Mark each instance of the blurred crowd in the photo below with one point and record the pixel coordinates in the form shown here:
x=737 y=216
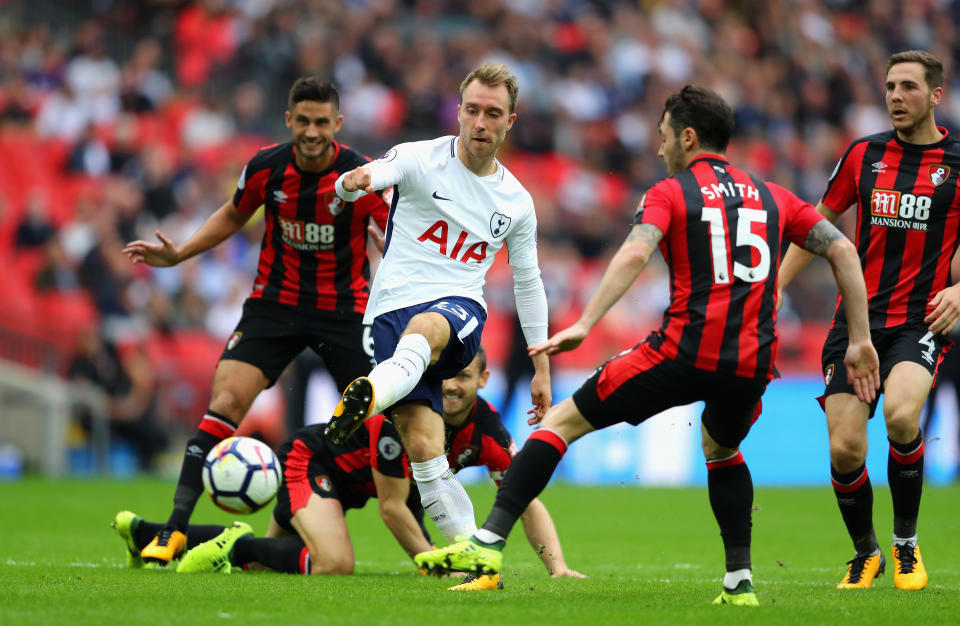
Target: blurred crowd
x=120 y=118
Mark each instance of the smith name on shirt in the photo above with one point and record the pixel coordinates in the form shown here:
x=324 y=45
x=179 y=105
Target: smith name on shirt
x=730 y=190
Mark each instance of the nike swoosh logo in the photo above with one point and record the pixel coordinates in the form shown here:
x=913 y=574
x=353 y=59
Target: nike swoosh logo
x=439 y=197
x=427 y=506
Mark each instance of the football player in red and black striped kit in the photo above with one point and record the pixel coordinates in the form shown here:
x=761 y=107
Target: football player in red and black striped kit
x=904 y=185
x=311 y=286
x=719 y=229
x=321 y=480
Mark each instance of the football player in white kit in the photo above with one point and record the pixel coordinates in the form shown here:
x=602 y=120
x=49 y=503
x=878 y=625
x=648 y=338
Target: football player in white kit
x=454 y=207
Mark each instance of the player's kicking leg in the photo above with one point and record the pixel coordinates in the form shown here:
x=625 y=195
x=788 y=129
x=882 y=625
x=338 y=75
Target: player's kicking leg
x=236 y=384
x=356 y=405
x=392 y=379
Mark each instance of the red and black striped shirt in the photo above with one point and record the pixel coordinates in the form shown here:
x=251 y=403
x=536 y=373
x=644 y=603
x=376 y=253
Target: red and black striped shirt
x=722 y=232
x=908 y=221
x=481 y=440
x=313 y=254
x=376 y=444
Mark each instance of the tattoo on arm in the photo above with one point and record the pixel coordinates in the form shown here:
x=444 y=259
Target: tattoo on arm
x=646 y=232
x=820 y=238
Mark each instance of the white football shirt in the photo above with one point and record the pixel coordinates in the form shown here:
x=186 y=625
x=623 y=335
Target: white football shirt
x=446 y=224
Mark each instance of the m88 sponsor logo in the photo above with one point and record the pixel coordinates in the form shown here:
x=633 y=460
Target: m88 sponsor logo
x=306 y=235
x=899 y=210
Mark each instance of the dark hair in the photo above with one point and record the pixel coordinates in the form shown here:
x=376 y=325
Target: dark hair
x=933 y=68
x=481 y=358
x=705 y=112
x=315 y=90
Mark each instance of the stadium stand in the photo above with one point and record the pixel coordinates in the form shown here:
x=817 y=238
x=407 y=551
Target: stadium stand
x=120 y=118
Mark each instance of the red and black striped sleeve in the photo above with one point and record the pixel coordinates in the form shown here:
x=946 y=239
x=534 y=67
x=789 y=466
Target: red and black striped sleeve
x=656 y=206
x=799 y=215
x=252 y=185
x=842 y=187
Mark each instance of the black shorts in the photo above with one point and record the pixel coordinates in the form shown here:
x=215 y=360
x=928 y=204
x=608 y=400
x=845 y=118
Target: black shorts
x=306 y=471
x=640 y=383
x=907 y=342
x=270 y=335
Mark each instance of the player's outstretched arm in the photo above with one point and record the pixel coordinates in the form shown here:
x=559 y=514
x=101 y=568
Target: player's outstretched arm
x=863 y=365
x=542 y=535
x=354 y=184
x=624 y=268
x=392 y=497
x=221 y=224
x=797 y=258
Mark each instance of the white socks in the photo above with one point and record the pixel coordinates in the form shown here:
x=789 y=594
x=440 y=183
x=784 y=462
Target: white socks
x=732 y=579
x=488 y=536
x=444 y=499
x=899 y=541
x=395 y=377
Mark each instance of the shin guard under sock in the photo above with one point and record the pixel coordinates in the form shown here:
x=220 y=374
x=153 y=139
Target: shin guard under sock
x=731 y=498
x=213 y=429
x=905 y=477
x=529 y=473
x=855 y=498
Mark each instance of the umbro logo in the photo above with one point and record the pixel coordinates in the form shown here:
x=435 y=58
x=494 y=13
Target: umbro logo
x=279 y=196
x=878 y=167
x=437 y=196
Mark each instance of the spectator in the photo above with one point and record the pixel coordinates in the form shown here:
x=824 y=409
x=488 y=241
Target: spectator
x=127 y=379
x=35 y=229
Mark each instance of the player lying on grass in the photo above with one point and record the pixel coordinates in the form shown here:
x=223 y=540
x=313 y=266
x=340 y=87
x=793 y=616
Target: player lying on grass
x=308 y=533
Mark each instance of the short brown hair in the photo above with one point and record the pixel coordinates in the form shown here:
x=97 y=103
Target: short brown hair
x=491 y=75
x=933 y=68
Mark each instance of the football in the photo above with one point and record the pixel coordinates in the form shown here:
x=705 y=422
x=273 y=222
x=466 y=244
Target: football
x=241 y=474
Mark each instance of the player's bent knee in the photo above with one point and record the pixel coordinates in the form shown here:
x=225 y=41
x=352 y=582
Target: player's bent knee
x=419 y=451
x=228 y=403
x=713 y=450
x=567 y=421
x=336 y=566
x=433 y=326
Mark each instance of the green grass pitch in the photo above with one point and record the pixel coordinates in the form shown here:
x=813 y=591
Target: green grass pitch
x=653 y=556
